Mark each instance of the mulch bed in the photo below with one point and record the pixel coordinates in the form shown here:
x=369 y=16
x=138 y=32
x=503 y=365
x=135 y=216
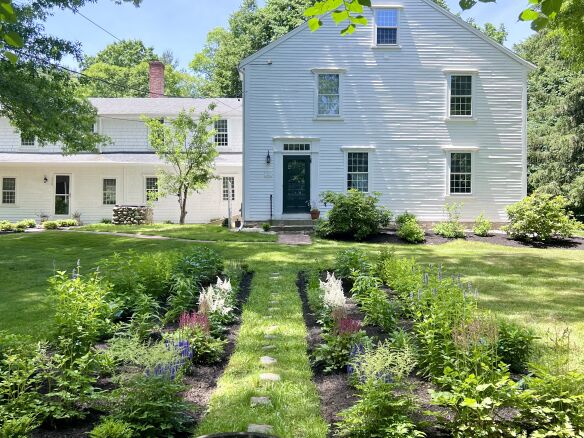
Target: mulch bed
x=201 y=382
x=576 y=243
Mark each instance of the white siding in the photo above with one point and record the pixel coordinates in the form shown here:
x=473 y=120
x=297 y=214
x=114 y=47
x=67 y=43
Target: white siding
x=394 y=100
x=35 y=197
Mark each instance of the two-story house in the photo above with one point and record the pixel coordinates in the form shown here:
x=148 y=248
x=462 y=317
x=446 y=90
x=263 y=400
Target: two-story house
x=40 y=181
x=417 y=105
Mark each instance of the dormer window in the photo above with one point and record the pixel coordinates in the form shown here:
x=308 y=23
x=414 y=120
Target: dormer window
x=386 y=26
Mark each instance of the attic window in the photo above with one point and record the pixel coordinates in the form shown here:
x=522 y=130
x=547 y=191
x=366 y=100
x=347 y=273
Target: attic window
x=386 y=26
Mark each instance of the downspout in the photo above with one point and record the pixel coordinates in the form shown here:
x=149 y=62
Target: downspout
x=242 y=78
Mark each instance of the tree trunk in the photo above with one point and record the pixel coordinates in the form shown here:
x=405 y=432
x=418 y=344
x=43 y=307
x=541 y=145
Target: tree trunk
x=182 y=200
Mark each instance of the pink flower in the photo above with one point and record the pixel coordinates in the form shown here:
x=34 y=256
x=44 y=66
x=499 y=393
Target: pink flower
x=347 y=326
x=194 y=319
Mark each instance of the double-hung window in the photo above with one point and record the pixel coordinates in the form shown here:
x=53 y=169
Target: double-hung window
x=461 y=95
x=8 y=190
x=460 y=173
x=109 y=191
x=27 y=141
x=151 y=188
x=386 y=26
x=228 y=182
x=221 y=135
x=329 y=98
x=358 y=171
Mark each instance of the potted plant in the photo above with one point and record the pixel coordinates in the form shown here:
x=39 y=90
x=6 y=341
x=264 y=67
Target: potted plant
x=237 y=222
x=314 y=211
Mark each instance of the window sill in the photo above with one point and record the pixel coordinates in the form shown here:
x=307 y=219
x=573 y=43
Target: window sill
x=460 y=119
x=328 y=118
x=460 y=195
x=387 y=47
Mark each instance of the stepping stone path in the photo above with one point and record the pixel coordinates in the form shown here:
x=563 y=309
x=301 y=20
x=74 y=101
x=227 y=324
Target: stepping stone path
x=273 y=309
x=294 y=239
x=269 y=347
x=267 y=360
x=260 y=428
x=270 y=377
x=260 y=401
x=270 y=336
x=274 y=302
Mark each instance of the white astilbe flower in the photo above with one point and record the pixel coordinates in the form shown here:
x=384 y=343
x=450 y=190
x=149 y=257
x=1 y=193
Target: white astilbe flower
x=333 y=292
x=212 y=300
x=224 y=286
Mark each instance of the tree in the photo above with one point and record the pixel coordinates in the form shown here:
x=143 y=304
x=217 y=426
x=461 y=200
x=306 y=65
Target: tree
x=250 y=28
x=186 y=143
x=122 y=71
x=555 y=120
x=36 y=95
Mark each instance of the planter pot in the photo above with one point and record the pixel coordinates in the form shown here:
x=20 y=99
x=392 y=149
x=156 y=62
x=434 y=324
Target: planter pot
x=237 y=223
x=315 y=215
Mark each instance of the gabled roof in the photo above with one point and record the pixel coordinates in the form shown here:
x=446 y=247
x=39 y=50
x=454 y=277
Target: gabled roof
x=161 y=106
x=430 y=3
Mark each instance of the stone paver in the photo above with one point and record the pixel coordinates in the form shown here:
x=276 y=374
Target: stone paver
x=269 y=347
x=260 y=401
x=273 y=309
x=267 y=360
x=268 y=336
x=270 y=377
x=294 y=239
x=260 y=428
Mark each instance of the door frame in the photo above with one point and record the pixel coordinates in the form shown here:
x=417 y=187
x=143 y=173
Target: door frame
x=55 y=194
x=275 y=172
x=285 y=158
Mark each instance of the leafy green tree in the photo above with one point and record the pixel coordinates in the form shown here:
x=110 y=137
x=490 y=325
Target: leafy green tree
x=186 y=143
x=555 y=119
x=38 y=97
x=121 y=70
x=250 y=28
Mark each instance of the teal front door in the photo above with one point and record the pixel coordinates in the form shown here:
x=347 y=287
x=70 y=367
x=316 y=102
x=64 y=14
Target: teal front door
x=296 y=184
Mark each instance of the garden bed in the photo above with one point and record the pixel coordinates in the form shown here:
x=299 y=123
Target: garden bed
x=576 y=243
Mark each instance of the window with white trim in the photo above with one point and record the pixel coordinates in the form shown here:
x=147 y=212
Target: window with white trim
x=27 y=141
x=8 y=190
x=460 y=173
x=221 y=135
x=109 y=191
x=227 y=180
x=151 y=188
x=329 y=98
x=358 y=171
x=461 y=95
x=386 y=26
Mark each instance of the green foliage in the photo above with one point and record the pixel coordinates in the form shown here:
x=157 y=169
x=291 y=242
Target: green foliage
x=409 y=229
x=152 y=405
x=203 y=264
x=50 y=225
x=28 y=223
x=540 y=217
x=374 y=302
x=112 y=428
x=335 y=351
x=266 y=227
x=83 y=313
x=18 y=427
x=353 y=215
x=206 y=349
x=7 y=226
x=133 y=351
x=515 y=345
x=184 y=292
x=404 y=217
x=482 y=226
x=349 y=262
x=451 y=228
x=187 y=145
x=64 y=223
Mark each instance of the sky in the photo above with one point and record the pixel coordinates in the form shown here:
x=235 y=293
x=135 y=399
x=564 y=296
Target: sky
x=182 y=25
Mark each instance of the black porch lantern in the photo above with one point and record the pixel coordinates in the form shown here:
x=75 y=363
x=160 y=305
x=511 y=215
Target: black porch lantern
x=268 y=158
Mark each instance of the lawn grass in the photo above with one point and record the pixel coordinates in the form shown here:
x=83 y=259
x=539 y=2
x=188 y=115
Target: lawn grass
x=211 y=232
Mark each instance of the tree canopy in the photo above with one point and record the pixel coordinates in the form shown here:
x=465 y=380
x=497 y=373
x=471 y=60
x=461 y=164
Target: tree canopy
x=121 y=70
x=555 y=119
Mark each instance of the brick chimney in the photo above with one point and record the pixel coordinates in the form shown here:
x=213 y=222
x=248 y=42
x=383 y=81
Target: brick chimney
x=156 y=79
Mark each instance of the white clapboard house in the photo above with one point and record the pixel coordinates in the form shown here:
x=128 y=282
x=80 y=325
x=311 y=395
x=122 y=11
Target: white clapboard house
x=416 y=105
x=39 y=181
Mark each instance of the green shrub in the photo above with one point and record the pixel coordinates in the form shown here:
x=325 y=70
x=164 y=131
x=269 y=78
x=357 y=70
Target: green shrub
x=411 y=231
x=451 y=228
x=112 y=428
x=50 y=225
x=354 y=215
x=106 y=220
x=335 y=351
x=404 y=217
x=6 y=226
x=482 y=226
x=18 y=427
x=540 y=217
x=67 y=223
x=266 y=227
x=203 y=265
x=378 y=309
x=152 y=404
x=515 y=345
x=133 y=351
x=184 y=293
x=350 y=261
x=205 y=348
x=20 y=226
x=82 y=311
